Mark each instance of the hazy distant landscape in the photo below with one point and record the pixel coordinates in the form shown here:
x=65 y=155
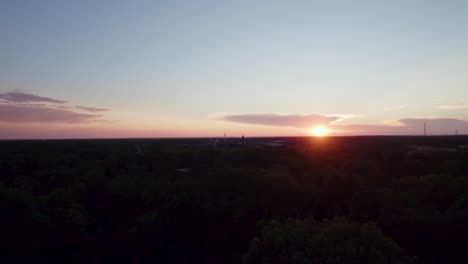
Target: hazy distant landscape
x=261 y=200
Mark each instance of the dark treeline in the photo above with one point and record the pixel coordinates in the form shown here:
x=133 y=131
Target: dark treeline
x=328 y=200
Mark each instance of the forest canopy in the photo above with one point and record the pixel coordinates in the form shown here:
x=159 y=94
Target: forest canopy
x=333 y=200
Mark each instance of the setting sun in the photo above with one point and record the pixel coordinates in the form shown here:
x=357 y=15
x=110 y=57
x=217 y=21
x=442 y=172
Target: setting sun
x=319 y=131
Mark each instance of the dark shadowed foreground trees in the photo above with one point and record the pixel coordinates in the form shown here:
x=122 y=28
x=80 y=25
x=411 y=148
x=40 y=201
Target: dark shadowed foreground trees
x=331 y=241
x=334 y=200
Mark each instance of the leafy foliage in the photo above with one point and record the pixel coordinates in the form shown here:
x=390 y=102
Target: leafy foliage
x=332 y=200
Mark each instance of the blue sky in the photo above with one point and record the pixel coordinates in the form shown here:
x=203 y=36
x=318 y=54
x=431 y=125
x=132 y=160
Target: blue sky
x=171 y=66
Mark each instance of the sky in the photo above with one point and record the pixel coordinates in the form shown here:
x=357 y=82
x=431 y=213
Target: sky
x=98 y=69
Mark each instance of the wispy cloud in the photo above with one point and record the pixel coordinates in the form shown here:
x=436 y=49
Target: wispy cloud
x=17 y=107
x=283 y=120
x=409 y=126
x=452 y=107
x=435 y=124
x=395 y=107
x=18 y=97
x=393 y=123
x=92 y=109
x=404 y=126
x=40 y=114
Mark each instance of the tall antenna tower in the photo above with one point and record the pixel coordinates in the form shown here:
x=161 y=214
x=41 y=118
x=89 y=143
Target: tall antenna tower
x=424 y=128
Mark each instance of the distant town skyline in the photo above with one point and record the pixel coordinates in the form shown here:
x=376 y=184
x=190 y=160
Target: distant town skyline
x=118 y=69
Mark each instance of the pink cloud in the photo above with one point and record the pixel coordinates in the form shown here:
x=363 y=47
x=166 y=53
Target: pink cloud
x=92 y=109
x=18 y=97
x=40 y=114
x=409 y=126
x=288 y=120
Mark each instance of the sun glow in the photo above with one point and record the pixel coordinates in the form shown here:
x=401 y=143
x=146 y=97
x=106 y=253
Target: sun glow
x=319 y=131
